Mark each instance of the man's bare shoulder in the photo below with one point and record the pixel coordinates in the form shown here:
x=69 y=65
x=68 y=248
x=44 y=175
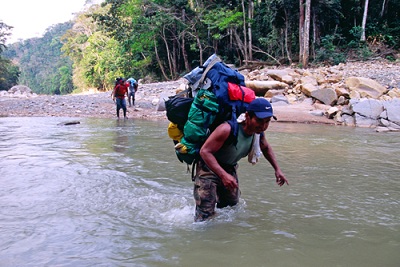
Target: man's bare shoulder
x=222 y=131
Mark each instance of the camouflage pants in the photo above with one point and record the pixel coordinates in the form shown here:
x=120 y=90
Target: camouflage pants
x=209 y=191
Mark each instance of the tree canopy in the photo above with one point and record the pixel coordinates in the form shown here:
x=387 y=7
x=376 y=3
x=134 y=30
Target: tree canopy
x=157 y=40
x=9 y=72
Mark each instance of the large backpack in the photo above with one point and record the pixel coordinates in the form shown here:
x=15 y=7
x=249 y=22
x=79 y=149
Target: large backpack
x=216 y=93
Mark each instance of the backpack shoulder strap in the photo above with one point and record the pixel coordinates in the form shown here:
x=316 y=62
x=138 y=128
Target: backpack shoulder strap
x=209 y=66
x=232 y=139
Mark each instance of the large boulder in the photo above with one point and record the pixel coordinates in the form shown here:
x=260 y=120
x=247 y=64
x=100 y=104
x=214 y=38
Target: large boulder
x=335 y=78
x=281 y=75
x=308 y=89
x=391 y=126
x=279 y=98
x=273 y=92
x=341 y=91
x=327 y=96
x=348 y=120
x=394 y=93
x=309 y=80
x=369 y=108
x=261 y=87
x=20 y=89
x=308 y=85
x=393 y=110
x=366 y=87
x=365 y=122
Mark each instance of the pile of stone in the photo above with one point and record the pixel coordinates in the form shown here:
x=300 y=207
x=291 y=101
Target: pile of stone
x=350 y=101
x=18 y=91
x=363 y=94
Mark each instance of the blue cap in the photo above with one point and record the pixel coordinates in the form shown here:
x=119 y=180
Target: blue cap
x=261 y=108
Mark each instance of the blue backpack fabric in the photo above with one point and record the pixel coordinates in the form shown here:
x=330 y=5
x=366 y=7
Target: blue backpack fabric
x=220 y=74
x=210 y=107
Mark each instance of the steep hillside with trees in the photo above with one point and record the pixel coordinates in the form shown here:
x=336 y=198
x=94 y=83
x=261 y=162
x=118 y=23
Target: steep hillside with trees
x=9 y=72
x=43 y=67
x=158 y=40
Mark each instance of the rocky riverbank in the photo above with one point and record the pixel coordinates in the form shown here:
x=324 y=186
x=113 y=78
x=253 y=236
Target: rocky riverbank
x=318 y=95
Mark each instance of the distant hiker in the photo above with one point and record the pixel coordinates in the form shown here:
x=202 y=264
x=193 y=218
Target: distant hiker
x=117 y=80
x=118 y=95
x=216 y=182
x=133 y=87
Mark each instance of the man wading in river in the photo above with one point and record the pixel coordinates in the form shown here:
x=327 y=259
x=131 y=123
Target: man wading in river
x=216 y=181
x=118 y=95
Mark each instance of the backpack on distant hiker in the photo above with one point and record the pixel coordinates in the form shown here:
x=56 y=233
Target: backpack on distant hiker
x=120 y=89
x=215 y=94
x=132 y=84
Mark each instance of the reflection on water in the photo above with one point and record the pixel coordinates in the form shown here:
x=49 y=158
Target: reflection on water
x=112 y=193
x=121 y=141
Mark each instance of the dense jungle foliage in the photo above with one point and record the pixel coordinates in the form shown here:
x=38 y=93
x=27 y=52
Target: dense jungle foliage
x=158 y=40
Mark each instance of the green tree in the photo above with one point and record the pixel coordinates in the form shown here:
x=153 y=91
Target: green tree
x=163 y=39
x=98 y=58
x=40 y=61
x=9 y=72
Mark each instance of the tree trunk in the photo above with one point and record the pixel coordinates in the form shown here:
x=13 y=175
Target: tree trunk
x=385 y=4
x=175 y=56
x=168 y=52
x=239 y=42
x=364 y=21
x=316 y=32
x=301 y=30
x=245 y=49
x=287 y=31
x=230 y=33
x=184 y=53
x=200 y=49
x=306 y=43
x=183 y=44
x=251 y=16
x=159 y=61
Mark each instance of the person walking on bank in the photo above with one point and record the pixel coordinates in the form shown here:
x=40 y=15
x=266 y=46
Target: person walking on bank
x=216 y=182
x=119 y=92
x=133 y=87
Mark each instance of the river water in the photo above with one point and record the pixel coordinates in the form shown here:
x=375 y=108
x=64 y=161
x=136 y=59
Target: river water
x=112 y=193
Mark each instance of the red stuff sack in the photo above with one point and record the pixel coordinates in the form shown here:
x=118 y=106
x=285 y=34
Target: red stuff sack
x=239 y=92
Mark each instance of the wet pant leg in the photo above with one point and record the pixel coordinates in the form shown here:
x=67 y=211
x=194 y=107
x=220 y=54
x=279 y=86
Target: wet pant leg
x=209 y=192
